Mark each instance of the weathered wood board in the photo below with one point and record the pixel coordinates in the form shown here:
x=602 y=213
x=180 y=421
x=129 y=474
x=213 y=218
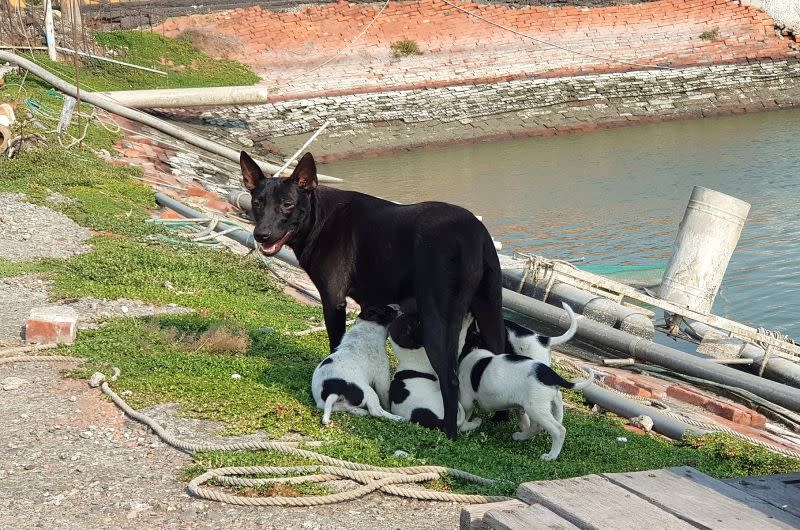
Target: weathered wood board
x=695 y=497
x=595 y=502
x=782 y=491
x=472 y=514
x=530 y=517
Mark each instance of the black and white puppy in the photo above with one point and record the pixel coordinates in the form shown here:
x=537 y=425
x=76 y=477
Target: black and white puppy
x=356 y=375
x=415 y=393
x=501 y=382
x=522 y=341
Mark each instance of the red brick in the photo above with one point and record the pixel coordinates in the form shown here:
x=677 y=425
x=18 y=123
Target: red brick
x=51 y=325
x=758 y=421
x=197 y=191
x=687 y=396
x=729 y=411
x=220 y=206
x=169 y=214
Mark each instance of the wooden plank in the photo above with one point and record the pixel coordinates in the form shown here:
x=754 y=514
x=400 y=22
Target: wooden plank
x=595 y=502
x=782 y=491
x=472 y=514
x=527 y=518
x=703 y=500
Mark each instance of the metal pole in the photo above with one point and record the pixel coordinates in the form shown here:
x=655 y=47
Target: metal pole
x=49 y=31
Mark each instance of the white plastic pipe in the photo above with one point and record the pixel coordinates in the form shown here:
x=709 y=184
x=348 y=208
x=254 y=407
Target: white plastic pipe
x=190 y=97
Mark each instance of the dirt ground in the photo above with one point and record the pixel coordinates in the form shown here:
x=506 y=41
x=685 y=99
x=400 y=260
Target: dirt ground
x=70 y=459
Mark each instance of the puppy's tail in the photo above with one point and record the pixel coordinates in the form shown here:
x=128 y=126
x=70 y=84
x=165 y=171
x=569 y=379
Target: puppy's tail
x=326 y=411
x=573 y=327
x=548 y=376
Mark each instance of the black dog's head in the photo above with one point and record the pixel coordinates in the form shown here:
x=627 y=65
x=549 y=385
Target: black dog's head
x=406 y=331
x=280 y=205
x=381 y=314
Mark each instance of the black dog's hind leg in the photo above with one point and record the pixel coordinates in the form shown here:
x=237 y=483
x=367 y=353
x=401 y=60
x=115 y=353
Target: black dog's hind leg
x=443 y=288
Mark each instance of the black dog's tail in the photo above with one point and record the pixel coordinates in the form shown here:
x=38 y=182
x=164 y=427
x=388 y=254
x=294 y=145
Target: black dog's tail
x=548 y=376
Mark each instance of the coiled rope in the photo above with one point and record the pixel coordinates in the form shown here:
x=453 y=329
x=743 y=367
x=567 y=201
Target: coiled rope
x=372 y=478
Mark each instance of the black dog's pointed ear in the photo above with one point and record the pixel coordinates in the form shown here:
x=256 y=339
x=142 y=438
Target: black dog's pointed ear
x=251 y=173
x=305 y=174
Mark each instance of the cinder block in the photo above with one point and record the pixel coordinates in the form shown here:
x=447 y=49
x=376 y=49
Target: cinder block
x=49 y=325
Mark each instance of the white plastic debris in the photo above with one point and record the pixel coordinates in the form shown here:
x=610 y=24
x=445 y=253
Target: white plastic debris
x=622 y=439
x=236 y=376
x=400 y=454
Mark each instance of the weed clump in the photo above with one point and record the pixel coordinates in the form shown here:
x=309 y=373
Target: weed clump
x=405 y=47
x=710 y=35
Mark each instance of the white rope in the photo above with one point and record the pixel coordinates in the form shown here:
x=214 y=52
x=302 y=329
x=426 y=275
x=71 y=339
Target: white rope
x=302 y=148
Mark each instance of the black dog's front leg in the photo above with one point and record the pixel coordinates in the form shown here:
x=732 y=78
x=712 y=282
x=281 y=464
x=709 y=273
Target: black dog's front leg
x=335 y=318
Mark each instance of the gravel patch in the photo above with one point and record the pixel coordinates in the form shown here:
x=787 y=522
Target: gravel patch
x=70 y=459
x=29 y=232
x=20 y=294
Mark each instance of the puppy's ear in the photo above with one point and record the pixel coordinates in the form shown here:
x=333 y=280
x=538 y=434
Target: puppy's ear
x=305 y=174
x=251 y=173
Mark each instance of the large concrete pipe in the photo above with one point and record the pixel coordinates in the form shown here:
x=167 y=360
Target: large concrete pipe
x=590 y=305
x=706 y=239
x=190 y=97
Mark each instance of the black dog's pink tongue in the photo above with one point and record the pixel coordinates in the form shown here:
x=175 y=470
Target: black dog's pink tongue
x=277 y=246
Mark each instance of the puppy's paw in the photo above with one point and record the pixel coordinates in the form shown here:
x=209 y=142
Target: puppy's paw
x=520 y=436
x=470 y=425
x=547 y=457
x=394 y=417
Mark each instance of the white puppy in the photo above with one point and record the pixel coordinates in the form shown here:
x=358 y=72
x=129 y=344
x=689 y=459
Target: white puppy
x=415 y=393
x=356 y=375
x=500 y=382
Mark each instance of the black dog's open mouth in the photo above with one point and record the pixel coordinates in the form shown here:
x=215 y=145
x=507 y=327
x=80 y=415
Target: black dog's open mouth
x=271 y=250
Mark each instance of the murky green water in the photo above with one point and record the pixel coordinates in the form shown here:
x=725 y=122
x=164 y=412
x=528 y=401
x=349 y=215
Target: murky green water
x=615 y=197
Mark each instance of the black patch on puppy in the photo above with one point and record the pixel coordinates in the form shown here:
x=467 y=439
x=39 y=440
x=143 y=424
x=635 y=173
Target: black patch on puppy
x=326 y=360
x=382 y=315
x=426 y=418
x=513 y=358
x=406 y=331
x=544 y=340
x=547 y=376
x=397 y=389
x=477 y=372
x=351 y=392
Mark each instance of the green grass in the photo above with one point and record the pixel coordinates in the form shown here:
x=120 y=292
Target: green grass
x=131 y=259
x=186 y=67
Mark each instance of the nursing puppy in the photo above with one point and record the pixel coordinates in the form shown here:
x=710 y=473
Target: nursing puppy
x=500 y=382
x=356 y=375
x=415 y=393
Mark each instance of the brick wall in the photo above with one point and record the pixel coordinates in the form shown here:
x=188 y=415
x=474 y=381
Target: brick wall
x=286 y=47
x=385 y=121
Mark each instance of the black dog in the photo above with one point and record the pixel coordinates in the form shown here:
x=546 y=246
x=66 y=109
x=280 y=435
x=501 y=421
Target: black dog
x=435 y=254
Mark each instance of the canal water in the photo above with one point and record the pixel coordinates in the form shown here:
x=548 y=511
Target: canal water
x=616 y=197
